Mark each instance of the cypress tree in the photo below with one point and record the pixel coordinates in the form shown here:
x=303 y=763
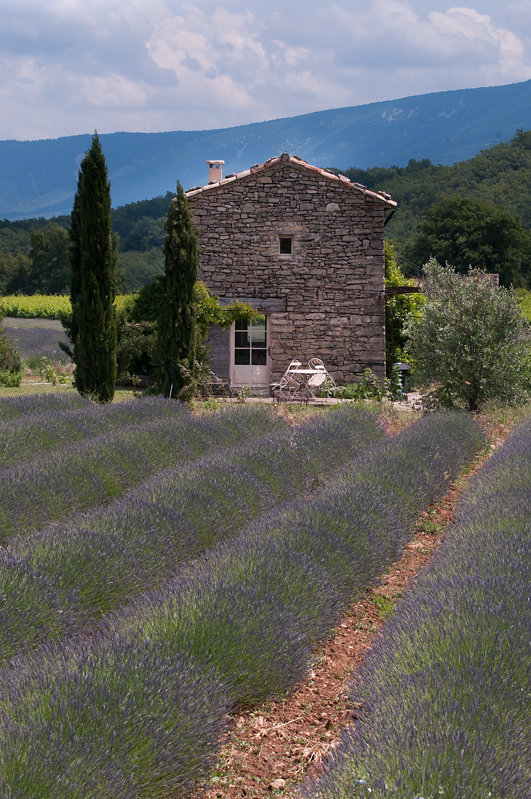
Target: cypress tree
x=93 y=280
x=177 y=327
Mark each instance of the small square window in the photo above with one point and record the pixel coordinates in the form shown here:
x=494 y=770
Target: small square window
x=286 y=245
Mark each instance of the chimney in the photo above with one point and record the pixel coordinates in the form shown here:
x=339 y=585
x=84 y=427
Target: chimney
x=215 y=171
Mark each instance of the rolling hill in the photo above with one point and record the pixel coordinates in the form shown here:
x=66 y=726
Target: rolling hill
x=38 y=178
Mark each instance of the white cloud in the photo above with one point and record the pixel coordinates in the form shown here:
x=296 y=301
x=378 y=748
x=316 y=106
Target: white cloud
x=112 y=91
x=69 y=66
x=503 y=48
x=217 y=45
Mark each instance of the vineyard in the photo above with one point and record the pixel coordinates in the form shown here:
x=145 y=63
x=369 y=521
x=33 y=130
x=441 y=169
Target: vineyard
x=46 y=306
x=161 y=568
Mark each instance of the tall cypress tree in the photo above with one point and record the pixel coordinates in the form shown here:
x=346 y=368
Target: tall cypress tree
x=93 y=280
x=177 y=328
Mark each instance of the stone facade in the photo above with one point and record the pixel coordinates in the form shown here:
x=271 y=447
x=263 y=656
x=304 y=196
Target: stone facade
x=323 y=299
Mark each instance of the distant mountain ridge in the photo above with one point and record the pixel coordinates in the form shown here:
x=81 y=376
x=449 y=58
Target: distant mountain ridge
x=38 y=178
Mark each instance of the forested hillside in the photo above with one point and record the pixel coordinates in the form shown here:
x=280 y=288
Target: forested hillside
x=34 y=252
x=501 y=175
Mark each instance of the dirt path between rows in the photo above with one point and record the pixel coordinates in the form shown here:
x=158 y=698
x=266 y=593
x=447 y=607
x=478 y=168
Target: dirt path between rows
x=272 y=748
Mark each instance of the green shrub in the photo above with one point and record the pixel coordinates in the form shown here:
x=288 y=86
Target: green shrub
x=471 y=342
x=53 y=373
x=368 y=387
x=135 y=350
x=399 y=308
x=10 y=361
x=10 y=379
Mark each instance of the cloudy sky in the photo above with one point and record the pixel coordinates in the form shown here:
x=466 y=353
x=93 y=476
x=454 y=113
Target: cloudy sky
x=73 y=66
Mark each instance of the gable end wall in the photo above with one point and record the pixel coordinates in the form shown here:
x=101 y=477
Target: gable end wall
x=331 y=288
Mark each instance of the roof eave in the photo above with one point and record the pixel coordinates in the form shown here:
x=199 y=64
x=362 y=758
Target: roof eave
x=294 y=159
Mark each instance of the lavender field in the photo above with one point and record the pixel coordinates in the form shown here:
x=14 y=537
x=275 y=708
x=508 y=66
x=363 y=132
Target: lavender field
x=123 y=446
x=60 y=580
x=445 y=691
x=204 y=582
x=37 y=338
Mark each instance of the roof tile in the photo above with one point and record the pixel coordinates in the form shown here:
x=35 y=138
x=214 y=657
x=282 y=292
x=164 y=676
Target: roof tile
x=328 y=173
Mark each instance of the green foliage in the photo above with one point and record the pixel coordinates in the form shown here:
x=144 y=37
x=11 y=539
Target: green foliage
x=472 y=339
x=470 y=232
x=17 y=273
x=139 y=268
x=36 y=306
x=368 y=387
x=176 y=324
x=135 y=352
x=10 y=379
x=497 y=175
x=45 y=306
x=243 y=394
x=140 y=225
x=93 y=280
x=398 y=310
x=50 y=262
x=14 y=271
x=15 y=236
x=10 y=362
x=137 y=330
x=524 y=298
x=146 y=303
x=53 y=373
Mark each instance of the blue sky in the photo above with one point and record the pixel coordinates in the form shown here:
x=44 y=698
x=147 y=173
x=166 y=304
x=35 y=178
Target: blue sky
x=73 y=66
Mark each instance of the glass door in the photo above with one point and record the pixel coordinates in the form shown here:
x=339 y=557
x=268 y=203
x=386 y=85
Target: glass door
x=249 y=361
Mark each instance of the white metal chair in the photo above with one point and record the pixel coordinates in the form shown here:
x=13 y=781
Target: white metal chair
x=316 y=363
x=291 y=387
x=315 y=382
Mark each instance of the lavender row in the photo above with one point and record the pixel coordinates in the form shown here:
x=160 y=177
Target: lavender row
x=63 y=578
x=53 y=428
x=37 y=341
x=256 y=606
x=445 y=689
x=116 y=720
x=100 y=469
x=22 y=406
x=246 y=618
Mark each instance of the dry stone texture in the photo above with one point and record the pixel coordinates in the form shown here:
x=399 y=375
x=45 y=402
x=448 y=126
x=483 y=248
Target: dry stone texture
x=324 y=300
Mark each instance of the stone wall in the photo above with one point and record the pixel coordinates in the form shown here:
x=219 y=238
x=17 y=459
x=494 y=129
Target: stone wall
x=326 y=299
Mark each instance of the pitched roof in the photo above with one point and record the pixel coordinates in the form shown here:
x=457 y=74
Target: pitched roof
x=294 y=159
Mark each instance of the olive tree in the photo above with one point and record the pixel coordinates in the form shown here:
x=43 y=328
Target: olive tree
x=471 y=341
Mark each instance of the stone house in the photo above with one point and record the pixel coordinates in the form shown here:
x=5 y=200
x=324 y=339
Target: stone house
x=305 y=247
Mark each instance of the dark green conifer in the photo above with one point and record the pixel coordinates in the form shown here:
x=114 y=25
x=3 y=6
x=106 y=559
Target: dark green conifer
x=177 y=327
x=93 y=280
